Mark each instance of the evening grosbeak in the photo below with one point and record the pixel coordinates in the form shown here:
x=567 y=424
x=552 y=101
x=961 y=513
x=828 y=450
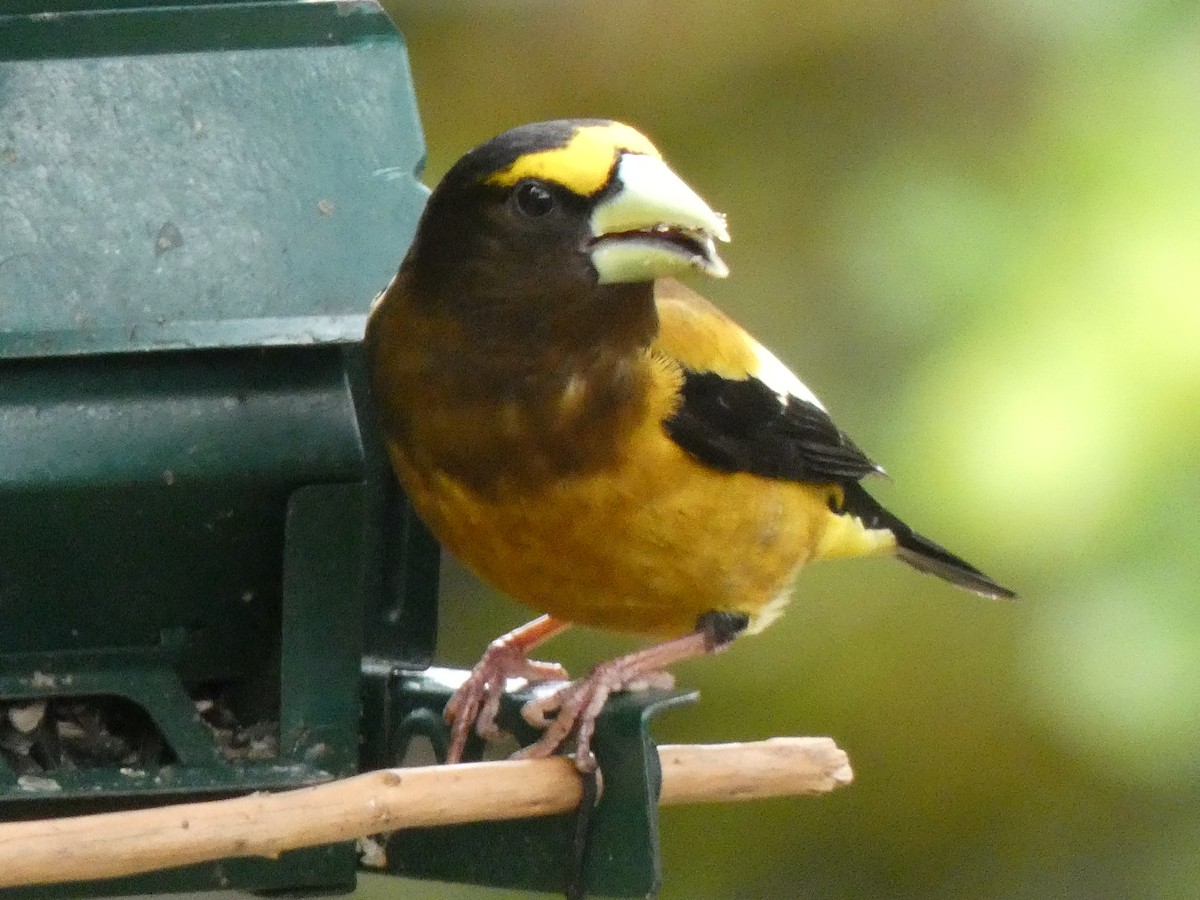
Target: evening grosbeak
x=594 y=438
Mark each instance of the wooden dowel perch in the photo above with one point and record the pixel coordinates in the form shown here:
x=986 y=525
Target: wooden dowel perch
x=108 y=845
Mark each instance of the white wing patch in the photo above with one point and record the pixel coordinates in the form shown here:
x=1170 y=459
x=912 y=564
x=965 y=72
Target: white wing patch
x=779 y=378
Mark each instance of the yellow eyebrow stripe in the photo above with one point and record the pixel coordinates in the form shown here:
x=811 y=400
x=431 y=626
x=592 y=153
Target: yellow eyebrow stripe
x=583 y=164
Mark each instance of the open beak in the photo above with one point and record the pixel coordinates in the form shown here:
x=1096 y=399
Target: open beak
x=654 y=225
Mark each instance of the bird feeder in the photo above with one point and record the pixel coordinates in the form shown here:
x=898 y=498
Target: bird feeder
x=210 y=584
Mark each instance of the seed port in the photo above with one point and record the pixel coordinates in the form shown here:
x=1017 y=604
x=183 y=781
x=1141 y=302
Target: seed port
x=241 y=731
x=41 y=736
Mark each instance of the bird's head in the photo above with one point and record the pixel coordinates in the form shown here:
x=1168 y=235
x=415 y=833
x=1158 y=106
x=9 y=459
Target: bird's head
x=553 y=207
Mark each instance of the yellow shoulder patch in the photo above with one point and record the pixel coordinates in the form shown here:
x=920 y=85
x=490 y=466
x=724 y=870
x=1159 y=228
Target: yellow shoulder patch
x=699 y=336
x=584 y=163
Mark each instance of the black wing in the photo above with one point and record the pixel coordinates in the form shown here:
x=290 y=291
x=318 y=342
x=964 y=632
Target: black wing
x=744 y=426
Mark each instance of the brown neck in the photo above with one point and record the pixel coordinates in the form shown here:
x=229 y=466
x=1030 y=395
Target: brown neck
x=525 y=392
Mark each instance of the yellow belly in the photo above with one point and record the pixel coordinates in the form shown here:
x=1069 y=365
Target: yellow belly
x=644 y=547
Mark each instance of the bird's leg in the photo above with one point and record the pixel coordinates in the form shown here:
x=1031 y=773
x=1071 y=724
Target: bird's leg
x=575 y=707
x=477 y=700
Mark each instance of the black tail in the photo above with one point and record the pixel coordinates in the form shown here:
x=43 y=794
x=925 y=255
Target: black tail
x=920 y=552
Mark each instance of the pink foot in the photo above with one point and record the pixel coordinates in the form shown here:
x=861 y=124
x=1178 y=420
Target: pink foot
x=575 y=707
x=477 y=700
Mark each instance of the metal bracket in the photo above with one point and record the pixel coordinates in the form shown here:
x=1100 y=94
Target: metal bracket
x=622 y=857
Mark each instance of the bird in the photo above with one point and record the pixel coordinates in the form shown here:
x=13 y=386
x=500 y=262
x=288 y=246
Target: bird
x=596 y=439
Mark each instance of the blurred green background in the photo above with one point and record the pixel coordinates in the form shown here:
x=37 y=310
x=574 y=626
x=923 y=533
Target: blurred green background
x=974 y=229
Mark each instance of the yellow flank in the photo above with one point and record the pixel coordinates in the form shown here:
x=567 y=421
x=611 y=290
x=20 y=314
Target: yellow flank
x=583 y=164
x=845 y=537
x=644 y=547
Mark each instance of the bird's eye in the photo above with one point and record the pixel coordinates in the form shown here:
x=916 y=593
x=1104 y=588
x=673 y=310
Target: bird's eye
x=533 y=199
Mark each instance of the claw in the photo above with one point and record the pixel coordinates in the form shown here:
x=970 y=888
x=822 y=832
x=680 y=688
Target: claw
x=540 y=712
x=574 y=708
x=652 y=681
x=477 y=701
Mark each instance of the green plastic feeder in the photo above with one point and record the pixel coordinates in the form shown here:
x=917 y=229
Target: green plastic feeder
x=209 y=582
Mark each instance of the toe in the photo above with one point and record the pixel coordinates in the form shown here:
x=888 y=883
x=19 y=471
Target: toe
x=538 y=713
